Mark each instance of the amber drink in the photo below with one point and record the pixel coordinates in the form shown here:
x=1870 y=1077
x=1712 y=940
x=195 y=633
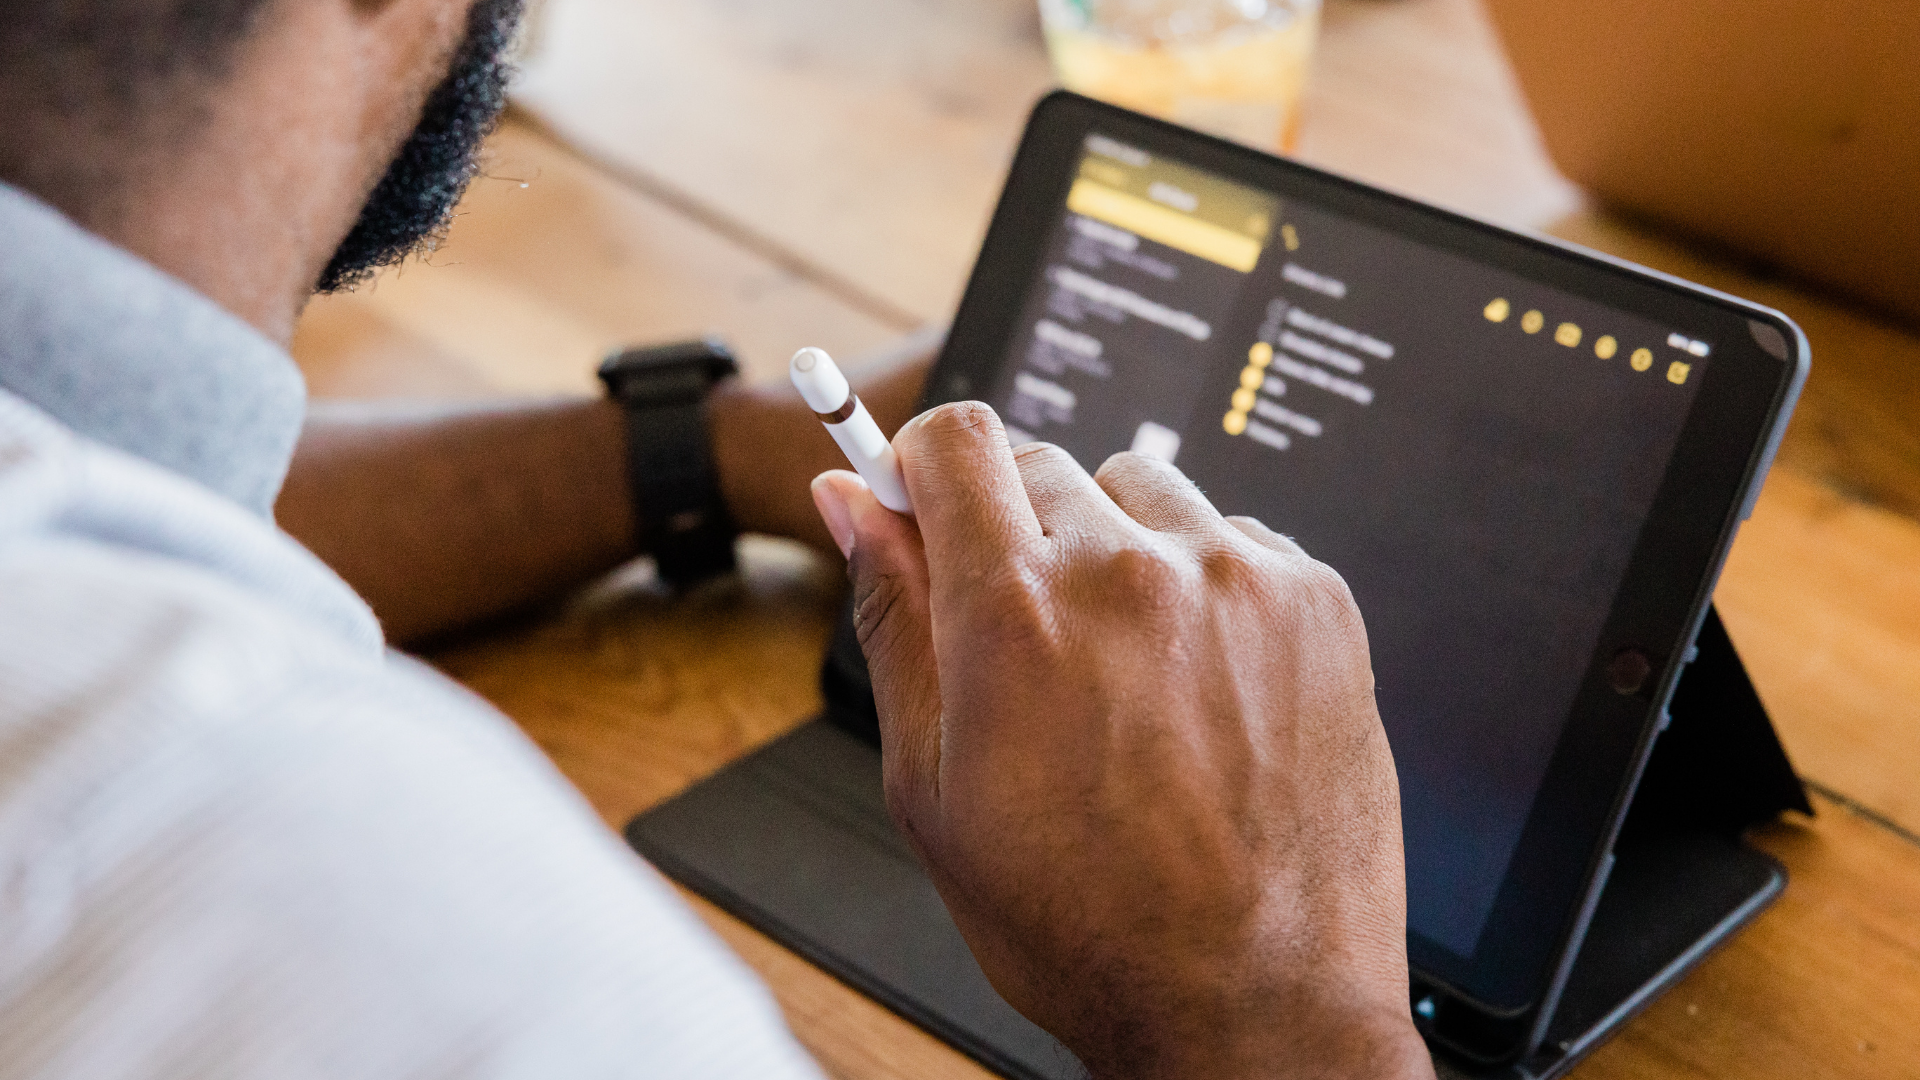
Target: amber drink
x=1234 y=68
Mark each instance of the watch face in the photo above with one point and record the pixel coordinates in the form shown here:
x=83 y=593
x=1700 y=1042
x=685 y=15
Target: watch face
x=668 y=372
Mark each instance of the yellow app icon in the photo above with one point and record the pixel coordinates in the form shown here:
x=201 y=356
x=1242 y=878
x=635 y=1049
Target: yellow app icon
x=1532 y=321
x=1234 y=423
x=1642 y=359
x=1251 y=377
x=1242 y=400
x=1567 y=334
x=1677 y=372
x=1606 y=347
x=1498 y=310
x=1260 y=355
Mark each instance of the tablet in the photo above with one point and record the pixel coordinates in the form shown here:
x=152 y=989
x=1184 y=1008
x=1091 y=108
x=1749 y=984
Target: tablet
x=1527 y=460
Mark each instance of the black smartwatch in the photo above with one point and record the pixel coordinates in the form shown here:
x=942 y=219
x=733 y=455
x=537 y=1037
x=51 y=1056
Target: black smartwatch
x=680 y=514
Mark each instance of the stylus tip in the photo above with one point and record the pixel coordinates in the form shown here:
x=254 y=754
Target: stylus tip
x=818 y=379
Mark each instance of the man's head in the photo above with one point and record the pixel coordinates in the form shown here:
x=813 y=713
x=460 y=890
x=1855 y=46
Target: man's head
x=256 y=148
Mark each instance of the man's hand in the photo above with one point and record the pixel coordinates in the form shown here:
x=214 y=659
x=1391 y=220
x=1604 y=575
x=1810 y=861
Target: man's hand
x=1136 y=745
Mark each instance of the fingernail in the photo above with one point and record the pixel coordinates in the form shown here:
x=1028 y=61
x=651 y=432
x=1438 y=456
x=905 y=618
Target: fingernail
x=832 y=504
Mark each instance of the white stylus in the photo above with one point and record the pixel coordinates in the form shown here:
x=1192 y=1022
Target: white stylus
x=826 y=392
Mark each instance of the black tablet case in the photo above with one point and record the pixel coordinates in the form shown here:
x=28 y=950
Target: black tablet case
x=795 y=839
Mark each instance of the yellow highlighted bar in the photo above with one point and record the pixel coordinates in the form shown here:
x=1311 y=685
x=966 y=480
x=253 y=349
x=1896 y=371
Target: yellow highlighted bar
x=1163 y=225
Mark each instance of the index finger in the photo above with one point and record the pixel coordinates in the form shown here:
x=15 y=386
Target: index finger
x=966 y=490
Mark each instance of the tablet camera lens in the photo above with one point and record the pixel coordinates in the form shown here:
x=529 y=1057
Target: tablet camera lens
x=1629 y=671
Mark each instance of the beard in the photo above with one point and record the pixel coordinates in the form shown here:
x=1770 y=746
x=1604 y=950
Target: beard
x=412 y=205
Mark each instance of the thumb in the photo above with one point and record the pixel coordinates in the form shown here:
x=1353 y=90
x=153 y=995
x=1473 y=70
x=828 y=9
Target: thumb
x=891 y=615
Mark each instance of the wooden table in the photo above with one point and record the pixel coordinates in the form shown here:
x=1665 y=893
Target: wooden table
x=821 y=173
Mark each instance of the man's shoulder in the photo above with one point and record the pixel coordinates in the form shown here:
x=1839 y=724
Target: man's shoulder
x=62 y=492
x=120 y=665
x=96 y=633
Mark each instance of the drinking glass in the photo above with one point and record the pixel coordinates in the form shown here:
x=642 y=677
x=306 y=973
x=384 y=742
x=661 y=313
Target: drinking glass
x=1234 y=68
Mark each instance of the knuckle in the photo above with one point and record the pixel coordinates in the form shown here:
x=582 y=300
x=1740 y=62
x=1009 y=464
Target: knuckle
x=959 y=420
x=1129 y=468
x=1252 y=526
x=1325 y=584
x=1152 y=577
x=1240 y=568
x=878 y=605
x=1154 y=491
x=1024 y=601
x=1325 y=599
x=1040 y=455
x=1303 y=592
x=1047 y=472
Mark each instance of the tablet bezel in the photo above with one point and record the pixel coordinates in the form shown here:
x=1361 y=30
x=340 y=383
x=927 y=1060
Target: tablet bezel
x=1723 y=451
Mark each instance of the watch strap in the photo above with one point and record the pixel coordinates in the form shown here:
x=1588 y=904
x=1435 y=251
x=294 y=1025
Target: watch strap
x=681 y=516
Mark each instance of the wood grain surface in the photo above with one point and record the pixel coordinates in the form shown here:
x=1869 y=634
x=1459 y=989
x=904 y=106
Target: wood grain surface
x=871 y=136
x=549 y=265
x=822 y=172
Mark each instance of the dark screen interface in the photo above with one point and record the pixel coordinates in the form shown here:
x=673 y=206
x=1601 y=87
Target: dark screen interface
x=1474 y=452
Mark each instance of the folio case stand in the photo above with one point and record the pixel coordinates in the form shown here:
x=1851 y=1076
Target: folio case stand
x=795 y=840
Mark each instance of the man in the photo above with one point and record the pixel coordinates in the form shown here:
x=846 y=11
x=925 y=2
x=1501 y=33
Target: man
x=1135 y=742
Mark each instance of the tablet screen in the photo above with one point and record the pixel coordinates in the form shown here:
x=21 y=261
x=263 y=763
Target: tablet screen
x=1476 y=453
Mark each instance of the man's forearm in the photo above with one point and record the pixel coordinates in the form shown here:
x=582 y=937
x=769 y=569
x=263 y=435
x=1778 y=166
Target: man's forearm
x=440 y=514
